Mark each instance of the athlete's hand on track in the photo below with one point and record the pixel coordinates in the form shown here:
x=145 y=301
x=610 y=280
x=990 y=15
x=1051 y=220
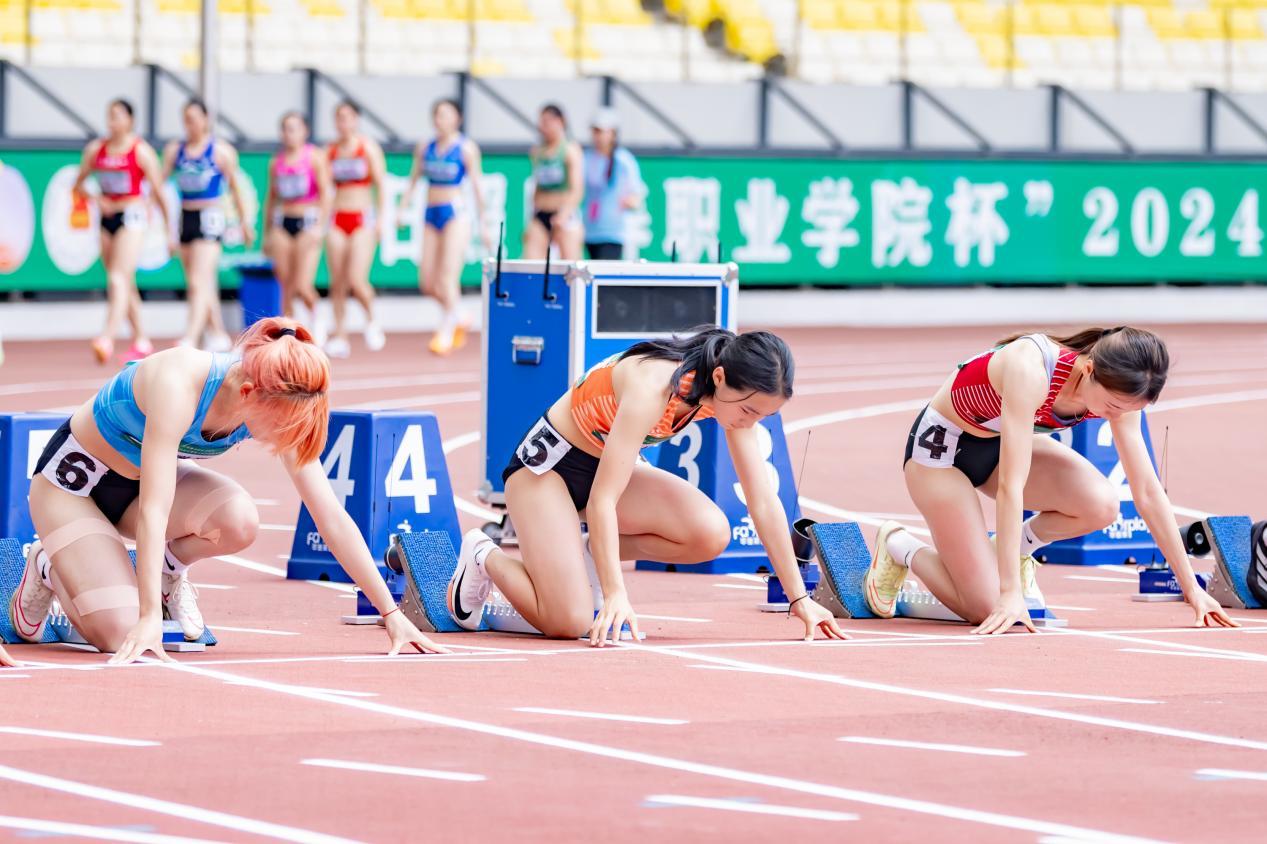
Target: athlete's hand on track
x=7 y=660
x=616 y=612
x=401 y=631
x=1209 y=612
x=817 y=617
x=1010 y=609
x=146 y=635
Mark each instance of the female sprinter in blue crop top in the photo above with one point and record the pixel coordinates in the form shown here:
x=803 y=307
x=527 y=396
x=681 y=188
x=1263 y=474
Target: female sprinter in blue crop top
x=204 y=167
x=116 y=469
x=447 y=163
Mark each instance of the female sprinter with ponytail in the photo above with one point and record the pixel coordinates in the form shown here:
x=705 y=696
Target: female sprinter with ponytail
x=580 y=461
x=125 y=465
x=987 y=429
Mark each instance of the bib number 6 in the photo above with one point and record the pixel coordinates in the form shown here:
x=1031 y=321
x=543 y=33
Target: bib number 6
x=75 y=471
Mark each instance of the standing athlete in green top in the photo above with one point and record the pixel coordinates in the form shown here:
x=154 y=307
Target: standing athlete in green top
x=560 y=186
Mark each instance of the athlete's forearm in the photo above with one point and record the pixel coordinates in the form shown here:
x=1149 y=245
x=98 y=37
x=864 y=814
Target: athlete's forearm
x=772 y=529
x=1155 y=509
x=605 y=546
x=1008 y=512
x=348 y=547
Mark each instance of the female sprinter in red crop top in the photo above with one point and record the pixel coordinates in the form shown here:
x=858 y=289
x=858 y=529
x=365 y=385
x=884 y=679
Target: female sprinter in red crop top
x=582 y=455
x=121 y=163
x=987 y=429
x=357 y=167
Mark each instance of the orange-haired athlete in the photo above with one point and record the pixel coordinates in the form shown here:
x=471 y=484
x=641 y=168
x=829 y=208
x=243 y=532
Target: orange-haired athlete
x=119 y=468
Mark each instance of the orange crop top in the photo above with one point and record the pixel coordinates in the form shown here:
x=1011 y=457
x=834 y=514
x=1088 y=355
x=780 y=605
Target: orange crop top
x=594 y=407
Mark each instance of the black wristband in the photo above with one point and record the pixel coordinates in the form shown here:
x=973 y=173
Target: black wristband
x=793 y=603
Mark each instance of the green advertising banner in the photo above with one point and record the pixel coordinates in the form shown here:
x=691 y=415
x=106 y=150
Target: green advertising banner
x=802 y=220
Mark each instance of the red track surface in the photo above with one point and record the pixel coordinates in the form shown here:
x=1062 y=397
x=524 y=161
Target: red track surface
x=765 y=712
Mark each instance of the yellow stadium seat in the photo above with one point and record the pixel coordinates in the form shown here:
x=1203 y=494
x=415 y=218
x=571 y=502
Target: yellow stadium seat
x=995 y=51
x=1024 y=20
x=891 y=17
x=1094 y=21
x=1205 y=23
x=1055 y=20
x=565 y=39
x=1166 y=23
x=980 y=19
x=860 y=15
x=822 y=16
x=1243 y=24
x=485 y=66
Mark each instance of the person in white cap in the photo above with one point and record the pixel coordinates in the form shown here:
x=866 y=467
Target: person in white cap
x=613 y=188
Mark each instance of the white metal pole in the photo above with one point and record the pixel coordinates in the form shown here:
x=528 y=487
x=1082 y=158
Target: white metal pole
x=209 y=61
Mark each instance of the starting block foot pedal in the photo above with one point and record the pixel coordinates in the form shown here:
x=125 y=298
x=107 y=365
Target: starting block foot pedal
x=428 y=560
x=919 y=603
x=1230 y=541
x=845 y=559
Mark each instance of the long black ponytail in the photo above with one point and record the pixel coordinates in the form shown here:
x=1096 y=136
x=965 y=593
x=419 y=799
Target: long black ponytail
x=755 y=361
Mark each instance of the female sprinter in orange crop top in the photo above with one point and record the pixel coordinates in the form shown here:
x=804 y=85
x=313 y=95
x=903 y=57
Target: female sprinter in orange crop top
x=988 y=429
x=582 y=455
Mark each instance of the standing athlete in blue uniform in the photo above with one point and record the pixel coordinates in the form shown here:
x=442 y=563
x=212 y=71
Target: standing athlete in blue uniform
x=448 y=162
x=124 y=465
x=203 y=167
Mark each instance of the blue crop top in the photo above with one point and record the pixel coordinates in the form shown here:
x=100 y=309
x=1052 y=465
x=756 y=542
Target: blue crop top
x=447 y=170
x=122 y=423
x=198 y=177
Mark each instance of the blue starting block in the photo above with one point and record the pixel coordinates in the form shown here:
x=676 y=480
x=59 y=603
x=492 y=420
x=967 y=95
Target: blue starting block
x=22 y=439
x=59 y=628
x=1231 y=539
x=1157 y=582
x=389 y=472
x=549 y=324
x=698 y=454
x=845 y=559
x=1127 y=540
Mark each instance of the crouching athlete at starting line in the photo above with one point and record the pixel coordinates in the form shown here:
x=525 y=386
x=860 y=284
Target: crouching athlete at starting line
x=581 y=461
x=117 y=469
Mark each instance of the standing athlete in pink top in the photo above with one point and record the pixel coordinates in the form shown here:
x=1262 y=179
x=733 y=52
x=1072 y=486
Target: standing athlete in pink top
x=298 y=210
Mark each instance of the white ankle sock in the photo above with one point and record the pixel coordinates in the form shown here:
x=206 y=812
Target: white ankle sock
x=903 y=546
x=174 y=566
x=481 y=553
x=1029 y=540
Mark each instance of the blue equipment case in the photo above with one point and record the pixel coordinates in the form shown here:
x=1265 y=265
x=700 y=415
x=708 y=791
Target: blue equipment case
x=542 y=334
x=22 y=438
x=1127 y=540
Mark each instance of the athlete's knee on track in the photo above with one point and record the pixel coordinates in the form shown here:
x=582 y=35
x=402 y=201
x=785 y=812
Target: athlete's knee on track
x=710 y=534
x=977 y=605
x=105 y=630
x=568 y=622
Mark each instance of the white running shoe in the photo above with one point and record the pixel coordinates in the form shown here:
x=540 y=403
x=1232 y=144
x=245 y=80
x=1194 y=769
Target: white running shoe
x=28 y=610
x=320 y=330
x=338 y=347
x=470 y=584
x=886 y=575
x=1029 y=581
x=180 y=603
x=375 y=339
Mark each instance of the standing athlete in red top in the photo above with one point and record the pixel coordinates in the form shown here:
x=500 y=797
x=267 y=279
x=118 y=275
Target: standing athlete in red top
x=356 y=167
x=987 y=429
x=120 y=163
x=581 y=457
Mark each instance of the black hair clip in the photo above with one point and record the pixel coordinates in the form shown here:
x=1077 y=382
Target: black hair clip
x=285 y=332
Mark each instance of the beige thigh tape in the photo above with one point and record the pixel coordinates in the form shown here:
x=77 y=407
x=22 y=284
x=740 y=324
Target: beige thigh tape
x=107 y=598
x=66 y=535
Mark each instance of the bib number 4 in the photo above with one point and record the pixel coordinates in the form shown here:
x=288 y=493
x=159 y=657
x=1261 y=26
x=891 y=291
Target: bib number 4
x=933 y=440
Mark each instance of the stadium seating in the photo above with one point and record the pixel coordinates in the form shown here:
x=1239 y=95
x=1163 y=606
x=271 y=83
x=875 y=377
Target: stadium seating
x=1146 y=44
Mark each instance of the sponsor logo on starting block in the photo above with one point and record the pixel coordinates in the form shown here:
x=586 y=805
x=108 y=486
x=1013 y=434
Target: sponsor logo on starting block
x=1127 y=540
x=22 y=439
x=698 y=454
x=388 y=470
x=842 y=551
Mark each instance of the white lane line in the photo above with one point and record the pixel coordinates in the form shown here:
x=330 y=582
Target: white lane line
x=167 y=807
x=965 y=700
x=1189 y=512
x=1160 y=652
x=388 y=382
x=476 y=510
x=923 y=745
x=287 y=528
x=243 y=562
x=213 y=586
x=1070 y=609
x=852 y=515
x=657 y=800
x=1207 y=400
x=417 y=659
x=671 y=763
x=739 y=586
x=600 y=716
x=99 y=833
x=853 y=413
x=682 y=618
x=823 y=388
x=1249 y=620
x=1227 y=774
x=258 y=630
x=1073 y=696
x=1100 y=579
x=1119 y=567
x=267 y=502
x=738 y=575
x=5 y=675
x=460 y=441
x=345 y=588
x=1140 y=640
x=85 y=737
x=426 y=400
x=395 y=770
